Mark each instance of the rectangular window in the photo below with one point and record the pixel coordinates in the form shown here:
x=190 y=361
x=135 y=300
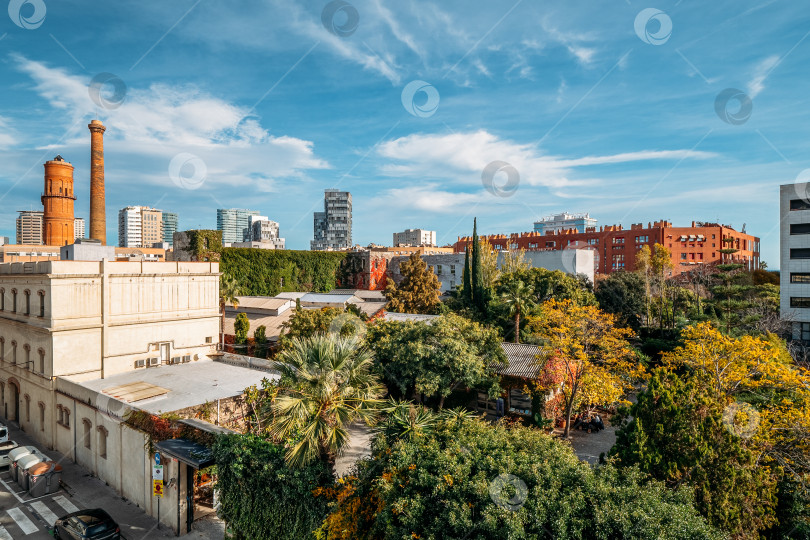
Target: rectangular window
x=618 y=240
x=800 y=277
x=800 y=301
x=799 y=204
x=800 y=253
x=805 y=331
x=683 y=256
x=800 y=228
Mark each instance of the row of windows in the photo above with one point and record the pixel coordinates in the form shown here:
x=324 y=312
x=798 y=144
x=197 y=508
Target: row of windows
x=800 y=228
x=12 y=358
x=692 y=256
x=800 y=301
x=26 y=304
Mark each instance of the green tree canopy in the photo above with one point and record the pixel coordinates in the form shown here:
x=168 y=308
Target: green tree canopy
x=438 y=357
x=241 y=326
x=468 y=479
x=622 y=293
x=260 y=496
x=419 y=290
x=677 y=434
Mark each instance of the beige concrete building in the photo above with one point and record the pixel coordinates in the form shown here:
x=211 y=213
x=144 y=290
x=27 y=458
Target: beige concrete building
x=74 y=333
x=140 y=227
x=29 y=227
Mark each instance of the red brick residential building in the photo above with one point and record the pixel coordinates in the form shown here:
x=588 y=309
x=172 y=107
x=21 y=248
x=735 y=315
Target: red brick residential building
x=616 y=247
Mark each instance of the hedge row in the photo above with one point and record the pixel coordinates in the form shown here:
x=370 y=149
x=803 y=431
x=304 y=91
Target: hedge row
x=261 y=272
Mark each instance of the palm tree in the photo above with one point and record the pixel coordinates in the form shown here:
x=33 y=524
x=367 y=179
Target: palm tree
x=228 y=294
x=326 y=384
x=518 y=297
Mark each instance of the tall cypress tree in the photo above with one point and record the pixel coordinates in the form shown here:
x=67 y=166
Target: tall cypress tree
x=466 y=279
x=477 y=277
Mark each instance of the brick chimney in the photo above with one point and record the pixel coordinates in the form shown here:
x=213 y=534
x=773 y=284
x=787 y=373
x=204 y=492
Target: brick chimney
x=98 y=219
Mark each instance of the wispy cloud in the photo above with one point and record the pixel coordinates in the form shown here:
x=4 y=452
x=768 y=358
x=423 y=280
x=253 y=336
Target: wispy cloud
x=155 y=123
x=761 y=72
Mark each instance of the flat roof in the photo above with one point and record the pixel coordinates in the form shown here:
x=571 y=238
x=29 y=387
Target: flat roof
x=187 y=385
x=260 y=302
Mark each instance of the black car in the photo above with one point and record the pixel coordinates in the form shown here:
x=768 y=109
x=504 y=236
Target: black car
x=95 y=524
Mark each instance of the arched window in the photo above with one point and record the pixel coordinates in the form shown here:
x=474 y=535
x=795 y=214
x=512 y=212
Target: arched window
x=41 y=295
x=27 y=408
x=13 y=352
x=27 y=302
x=66 y=412
x=102 y=441
x=2 y=349
x=88 y=426
x=41 y=416
x=41 y=361
x=60 y=414
x=27 y=349
x=2 y=299
x=14 y=300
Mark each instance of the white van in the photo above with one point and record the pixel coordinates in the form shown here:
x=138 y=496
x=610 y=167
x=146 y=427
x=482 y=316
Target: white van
x=3 y=433
x=5 y=448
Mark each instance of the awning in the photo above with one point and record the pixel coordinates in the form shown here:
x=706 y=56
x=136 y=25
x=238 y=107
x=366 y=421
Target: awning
x=192 y=454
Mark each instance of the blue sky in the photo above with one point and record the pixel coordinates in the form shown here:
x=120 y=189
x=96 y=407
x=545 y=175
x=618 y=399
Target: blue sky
x=260 y=105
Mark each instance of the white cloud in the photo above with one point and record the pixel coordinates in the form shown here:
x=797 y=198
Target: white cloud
x=461 y=158
x=152 y=125
x=6 y=135
x=761 y=72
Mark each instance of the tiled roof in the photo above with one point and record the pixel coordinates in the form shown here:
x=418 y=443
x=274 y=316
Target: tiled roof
x=522 y=360
x=271 y=323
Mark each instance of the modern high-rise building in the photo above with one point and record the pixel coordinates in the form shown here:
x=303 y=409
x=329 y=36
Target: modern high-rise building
x=333 y=226
x=169 y=227
x=415 y=237
x=564 y=221
x=29 y=227
x=235 y=224
x=794 y=258
x=78 y=227
x=139 y=227
x=265 y=231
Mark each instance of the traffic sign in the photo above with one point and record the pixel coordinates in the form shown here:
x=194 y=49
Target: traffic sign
x=157 y=472
x=157 y=488
x=157 y=458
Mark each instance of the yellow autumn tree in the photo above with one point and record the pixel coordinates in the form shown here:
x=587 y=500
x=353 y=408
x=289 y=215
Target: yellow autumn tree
x=585 y=350
x=760 y=371
x=735 y=365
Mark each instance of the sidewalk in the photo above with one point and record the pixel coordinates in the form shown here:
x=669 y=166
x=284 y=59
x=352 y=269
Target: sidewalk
x=87 y=491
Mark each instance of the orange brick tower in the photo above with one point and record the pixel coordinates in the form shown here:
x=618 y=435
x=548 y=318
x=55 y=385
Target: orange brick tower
x=58 y=200
x=98 y=219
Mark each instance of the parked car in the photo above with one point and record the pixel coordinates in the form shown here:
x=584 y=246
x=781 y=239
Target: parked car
x=5 y=448
x=93 y=524
x=3 y=433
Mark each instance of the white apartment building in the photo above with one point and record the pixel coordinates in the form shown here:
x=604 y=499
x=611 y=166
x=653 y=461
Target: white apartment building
x=78 y=228
x=29 y=227
x=794 y=257
x=139 y=227
x=564 y=220
x=415 y=237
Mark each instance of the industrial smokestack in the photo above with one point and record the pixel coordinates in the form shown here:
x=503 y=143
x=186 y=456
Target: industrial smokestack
x=98 y=219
